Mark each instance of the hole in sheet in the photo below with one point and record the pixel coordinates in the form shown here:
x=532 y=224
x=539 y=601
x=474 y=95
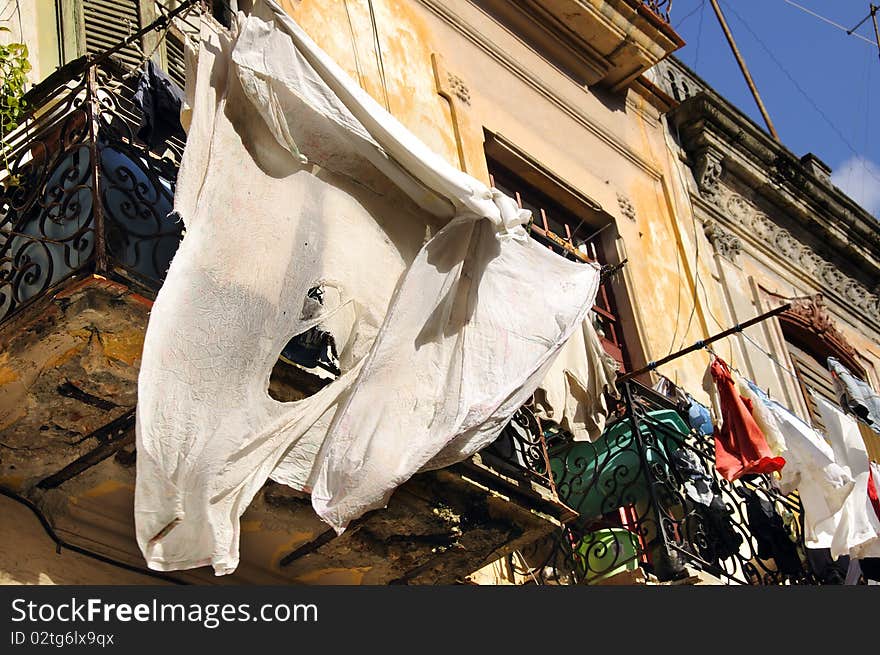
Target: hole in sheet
x=309 y=361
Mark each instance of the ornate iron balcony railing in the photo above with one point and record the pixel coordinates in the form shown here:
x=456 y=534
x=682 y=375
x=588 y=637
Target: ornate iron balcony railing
x=647 y=495
x=80 y=192
x=660 y=7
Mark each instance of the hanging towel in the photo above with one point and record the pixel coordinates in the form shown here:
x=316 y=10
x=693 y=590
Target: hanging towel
x=761 y=413
x=293 y=178
x=740 y=446
x=812 y=470
x=572 y=394
x=857 y=532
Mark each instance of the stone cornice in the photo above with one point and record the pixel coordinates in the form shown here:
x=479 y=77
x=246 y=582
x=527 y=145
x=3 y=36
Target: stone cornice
x=712 y=130
x=733 y=222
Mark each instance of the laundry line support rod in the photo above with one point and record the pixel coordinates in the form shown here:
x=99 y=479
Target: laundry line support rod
x=739 y=327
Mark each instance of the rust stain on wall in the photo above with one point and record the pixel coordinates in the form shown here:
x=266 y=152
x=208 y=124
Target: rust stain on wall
x=103 y=489
x=125 y=346
x=7 y=373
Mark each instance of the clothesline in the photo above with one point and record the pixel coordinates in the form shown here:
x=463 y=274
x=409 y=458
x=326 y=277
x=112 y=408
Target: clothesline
x=702 y=343
x=773 y=359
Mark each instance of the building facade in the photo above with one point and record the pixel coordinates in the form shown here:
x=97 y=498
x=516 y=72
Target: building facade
x=576 y=108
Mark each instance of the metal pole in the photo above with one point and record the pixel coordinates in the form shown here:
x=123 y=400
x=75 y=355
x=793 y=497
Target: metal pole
x=876 y=29
x=705 y=342
x=744 y=69
x=94 y=109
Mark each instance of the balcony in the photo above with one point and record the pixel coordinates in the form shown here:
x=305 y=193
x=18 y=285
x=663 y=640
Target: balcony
x=85 y=241
x=649 y=506
x=608 y=43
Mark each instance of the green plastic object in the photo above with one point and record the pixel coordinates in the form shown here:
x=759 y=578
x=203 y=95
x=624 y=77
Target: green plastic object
x=607 y=552
x=597 y=478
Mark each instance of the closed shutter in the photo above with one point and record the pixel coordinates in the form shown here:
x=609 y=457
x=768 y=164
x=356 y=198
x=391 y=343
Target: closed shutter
x=174 y=55
x=812 y=375
x=107 y=22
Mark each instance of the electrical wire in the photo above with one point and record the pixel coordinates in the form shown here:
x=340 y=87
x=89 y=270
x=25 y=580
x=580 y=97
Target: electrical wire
x=699 y=34
x=13 y=4
x=689 y=14
x=830 y=22
x=354 y=45
x=61 y=543
x=800 y=89
x=379 y=58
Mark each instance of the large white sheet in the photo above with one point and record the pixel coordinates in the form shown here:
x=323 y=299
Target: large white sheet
x=447 y=316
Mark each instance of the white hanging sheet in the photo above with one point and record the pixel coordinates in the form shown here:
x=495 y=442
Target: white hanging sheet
x=573 y=392
x=857 y=533
x=293 y=178
x=810 y=467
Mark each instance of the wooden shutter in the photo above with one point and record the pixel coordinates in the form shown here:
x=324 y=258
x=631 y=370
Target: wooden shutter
x=812 y=375
x=174 y=55
x=107 y=22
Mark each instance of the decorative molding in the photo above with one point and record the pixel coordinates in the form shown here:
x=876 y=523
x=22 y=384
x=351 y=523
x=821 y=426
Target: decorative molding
x=709 y=170
x=754 y=225
x=626 y=207
x=458 y=88
x=811 y=314
x=538 y=83
x=726 y=244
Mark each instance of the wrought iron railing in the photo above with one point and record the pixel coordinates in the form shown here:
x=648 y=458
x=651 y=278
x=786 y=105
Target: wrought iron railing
x=79 y=192
x=660 y=7
x=647 y=495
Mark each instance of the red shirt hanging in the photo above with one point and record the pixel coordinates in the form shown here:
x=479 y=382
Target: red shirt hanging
x=740 y=446
x=872 y=491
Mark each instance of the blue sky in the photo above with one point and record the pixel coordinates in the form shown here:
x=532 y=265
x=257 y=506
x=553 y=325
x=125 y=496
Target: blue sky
x=820 y=86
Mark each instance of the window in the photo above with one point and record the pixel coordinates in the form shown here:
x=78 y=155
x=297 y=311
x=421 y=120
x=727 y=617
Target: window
x=571 y=235
x=811 y=338
x=92 y=27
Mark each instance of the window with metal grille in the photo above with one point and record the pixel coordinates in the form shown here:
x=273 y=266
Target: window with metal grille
x=809 y=356
x=570 y=236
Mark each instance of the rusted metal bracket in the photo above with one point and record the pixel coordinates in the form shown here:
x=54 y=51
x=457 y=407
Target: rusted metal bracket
x=112 y=437
x=308 y=547
x=70 y=390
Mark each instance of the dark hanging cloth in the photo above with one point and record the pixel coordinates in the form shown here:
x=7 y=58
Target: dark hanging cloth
x=315 y=347
x=870 y=568
x=710 y=515
x=724 y=541
x=827 y=570
x=740 y=446
x=770 y=533
x=159 y=99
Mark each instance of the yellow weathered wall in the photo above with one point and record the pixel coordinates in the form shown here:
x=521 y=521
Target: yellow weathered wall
x=28 y=556
x=34 y=25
